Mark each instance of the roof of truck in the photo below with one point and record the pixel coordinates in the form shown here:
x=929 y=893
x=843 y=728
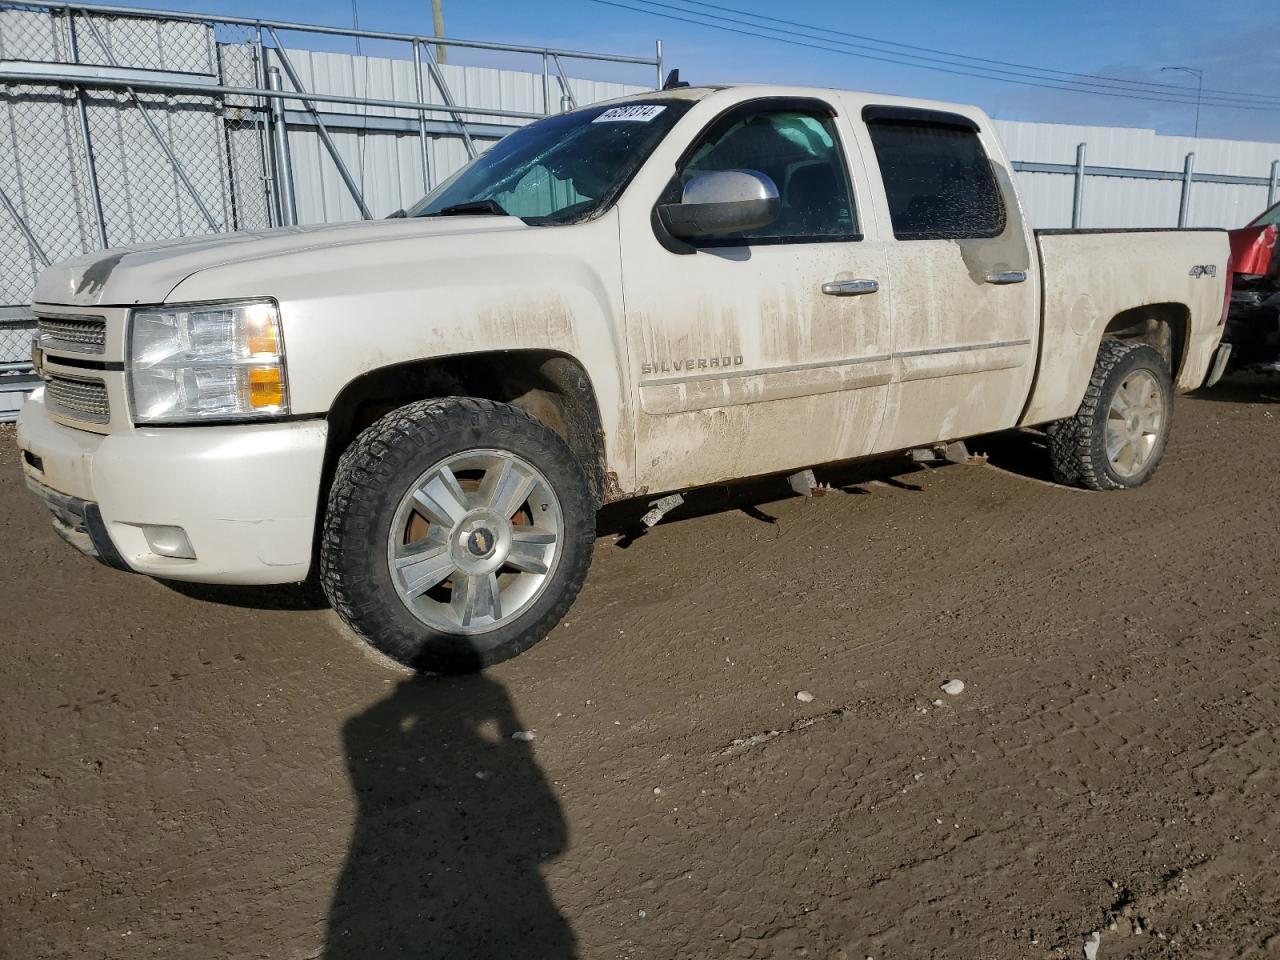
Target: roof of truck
x=861 y=97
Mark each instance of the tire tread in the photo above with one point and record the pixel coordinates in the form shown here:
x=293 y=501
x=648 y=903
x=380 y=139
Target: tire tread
x=394 y=444
x=1077 y=448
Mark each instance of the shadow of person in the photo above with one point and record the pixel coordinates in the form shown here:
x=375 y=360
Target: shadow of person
x=454 y=822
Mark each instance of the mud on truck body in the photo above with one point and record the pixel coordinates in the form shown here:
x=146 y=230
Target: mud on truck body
x=632 y=298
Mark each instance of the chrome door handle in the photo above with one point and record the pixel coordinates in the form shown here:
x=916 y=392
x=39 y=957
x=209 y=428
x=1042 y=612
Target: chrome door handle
x=850 y=288
x=1007 y=276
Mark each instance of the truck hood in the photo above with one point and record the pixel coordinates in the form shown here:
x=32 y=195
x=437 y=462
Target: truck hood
x=145 y=274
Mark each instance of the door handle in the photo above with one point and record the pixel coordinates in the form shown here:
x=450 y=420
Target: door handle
x=850 y=288
x=1007 y=276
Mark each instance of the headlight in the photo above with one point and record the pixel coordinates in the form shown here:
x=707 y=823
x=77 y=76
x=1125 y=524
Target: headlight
x=207 y=361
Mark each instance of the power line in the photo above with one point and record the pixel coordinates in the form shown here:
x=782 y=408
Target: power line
x=1119 y=81
x=719 y=23
x=933 y=63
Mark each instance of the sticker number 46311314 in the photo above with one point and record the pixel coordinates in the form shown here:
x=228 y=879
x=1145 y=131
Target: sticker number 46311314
x=641 y=113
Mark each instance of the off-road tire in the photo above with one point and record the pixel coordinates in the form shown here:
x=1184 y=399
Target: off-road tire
x=1077 y=445
x=376 y=471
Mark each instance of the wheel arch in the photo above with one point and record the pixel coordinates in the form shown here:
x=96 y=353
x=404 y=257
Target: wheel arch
x=1165 y=326
x=551 y=386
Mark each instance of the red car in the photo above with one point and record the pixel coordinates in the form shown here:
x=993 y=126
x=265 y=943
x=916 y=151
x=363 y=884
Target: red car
x=1253 y=322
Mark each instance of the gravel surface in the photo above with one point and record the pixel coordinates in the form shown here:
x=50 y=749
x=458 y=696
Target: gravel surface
x=200 y=773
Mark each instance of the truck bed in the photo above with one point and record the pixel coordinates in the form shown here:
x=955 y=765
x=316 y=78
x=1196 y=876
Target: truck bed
x=1100 y=281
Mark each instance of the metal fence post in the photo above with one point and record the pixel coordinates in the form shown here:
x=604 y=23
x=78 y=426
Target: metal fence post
x=284 y=164
x=567 y=95
x=452 y=105
x=26 y=230
x=422 y=119
x=352 y=187
x=1274 y=185
x=91 y=164
x=658 y=58
x=1184 y=204
x=270 y=196
x=1077 y=200
x=546 y=84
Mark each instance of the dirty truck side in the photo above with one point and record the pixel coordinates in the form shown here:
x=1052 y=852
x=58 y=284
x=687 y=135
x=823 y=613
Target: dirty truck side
x=626 y=300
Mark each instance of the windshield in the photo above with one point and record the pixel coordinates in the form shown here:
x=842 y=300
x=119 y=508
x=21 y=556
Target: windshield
x=561 y=169
x=1269 y=218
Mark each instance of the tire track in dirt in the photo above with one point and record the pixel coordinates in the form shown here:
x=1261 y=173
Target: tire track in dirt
x=178 y=774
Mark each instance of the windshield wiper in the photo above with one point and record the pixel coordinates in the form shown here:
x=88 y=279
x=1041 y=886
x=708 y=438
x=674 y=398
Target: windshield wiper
x=488 y=206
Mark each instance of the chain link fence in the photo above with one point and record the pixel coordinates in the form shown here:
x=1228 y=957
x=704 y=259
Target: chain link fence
x=88 y=168
x=84 y=168
x=121 y=127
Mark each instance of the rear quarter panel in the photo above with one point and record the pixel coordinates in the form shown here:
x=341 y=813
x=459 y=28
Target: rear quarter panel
x=1090 y=278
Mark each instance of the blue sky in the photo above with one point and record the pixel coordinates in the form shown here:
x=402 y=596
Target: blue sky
x=1234 y=44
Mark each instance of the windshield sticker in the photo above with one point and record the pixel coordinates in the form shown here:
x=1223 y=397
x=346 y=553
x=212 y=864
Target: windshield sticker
x=641 y=113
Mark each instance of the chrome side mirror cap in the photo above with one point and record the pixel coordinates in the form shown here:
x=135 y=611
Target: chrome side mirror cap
x=721 y=202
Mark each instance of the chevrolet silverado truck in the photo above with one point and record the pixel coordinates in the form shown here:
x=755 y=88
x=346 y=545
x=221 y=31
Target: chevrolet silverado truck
x=629 y=299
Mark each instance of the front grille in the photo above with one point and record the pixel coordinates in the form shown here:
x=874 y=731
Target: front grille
x=74 y=334
x=77 y=398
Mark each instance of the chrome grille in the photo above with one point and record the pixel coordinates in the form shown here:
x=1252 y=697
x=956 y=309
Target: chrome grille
x=77 y=398
x=73 y=334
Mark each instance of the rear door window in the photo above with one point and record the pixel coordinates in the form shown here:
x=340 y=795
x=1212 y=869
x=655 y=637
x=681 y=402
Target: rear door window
x=938 y=180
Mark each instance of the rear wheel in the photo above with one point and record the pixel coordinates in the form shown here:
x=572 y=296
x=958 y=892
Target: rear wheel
x=1118 y=436
x=458 y=533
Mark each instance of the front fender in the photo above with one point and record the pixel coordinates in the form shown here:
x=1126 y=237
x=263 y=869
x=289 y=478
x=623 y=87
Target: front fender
x=554 y=288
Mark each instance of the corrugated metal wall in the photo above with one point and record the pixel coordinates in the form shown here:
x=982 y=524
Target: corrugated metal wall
x=1126 y=202
x=390 y=169
x=388 y=164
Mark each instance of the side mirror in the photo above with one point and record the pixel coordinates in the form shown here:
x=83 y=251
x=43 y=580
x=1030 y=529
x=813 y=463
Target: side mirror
x=723 y=201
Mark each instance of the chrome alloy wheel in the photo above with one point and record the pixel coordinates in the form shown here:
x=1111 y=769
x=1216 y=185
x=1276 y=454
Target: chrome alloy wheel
x=1135 y=420
x=475 y=541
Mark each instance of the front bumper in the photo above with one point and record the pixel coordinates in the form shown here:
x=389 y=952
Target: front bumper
x=246 y=496
x=80 y=523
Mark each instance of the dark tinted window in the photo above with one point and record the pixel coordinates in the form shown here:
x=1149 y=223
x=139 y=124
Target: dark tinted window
x=938 y=180
x=800 y=153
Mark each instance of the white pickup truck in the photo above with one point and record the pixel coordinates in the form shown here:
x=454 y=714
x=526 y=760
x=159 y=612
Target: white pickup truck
x=632 y=298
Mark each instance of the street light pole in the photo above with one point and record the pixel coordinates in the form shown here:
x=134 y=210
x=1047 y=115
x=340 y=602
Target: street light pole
x=1199 y=75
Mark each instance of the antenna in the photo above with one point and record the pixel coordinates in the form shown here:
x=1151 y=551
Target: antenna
x=673 y=81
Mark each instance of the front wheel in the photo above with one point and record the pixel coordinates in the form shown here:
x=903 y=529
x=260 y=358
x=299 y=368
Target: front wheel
x=1118 y=436
x=458 y=532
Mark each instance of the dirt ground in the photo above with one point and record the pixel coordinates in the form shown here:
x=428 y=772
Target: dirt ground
x=204 y=774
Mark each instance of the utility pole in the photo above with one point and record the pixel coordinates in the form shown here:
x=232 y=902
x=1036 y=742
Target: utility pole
x=1199 y=75
x=437 y=25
